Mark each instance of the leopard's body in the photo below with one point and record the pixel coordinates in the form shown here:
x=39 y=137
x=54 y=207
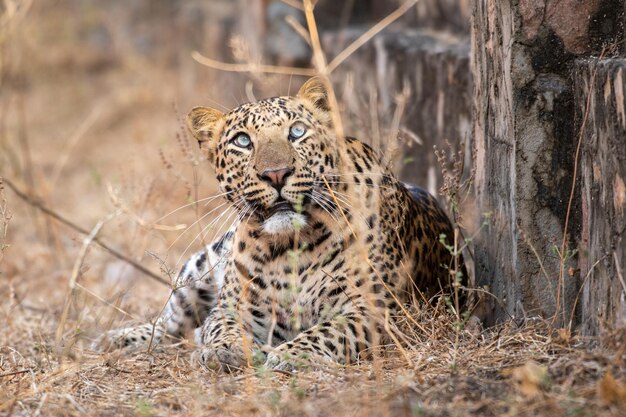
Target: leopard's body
x=327 y=245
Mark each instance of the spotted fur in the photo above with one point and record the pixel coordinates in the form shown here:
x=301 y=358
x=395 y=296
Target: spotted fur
x=328 y=244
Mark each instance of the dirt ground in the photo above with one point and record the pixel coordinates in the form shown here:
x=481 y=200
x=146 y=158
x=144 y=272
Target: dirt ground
x=90 y=127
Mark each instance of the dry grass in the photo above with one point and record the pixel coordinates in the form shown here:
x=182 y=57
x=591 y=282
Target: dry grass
x=502 y=371
x=90 y=128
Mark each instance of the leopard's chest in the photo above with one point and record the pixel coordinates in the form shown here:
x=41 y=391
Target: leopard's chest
x=283 y=289
x=286 y=299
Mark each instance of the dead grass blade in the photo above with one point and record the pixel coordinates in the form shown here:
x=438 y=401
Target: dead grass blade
x=71 y=285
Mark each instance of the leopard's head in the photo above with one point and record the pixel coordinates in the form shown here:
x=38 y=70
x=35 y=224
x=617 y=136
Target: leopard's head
x=270 y=156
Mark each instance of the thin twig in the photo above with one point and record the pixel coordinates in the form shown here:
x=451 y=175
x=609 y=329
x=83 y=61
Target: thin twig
x=618 y=270
x=320 y=63
x=76 y=272
x=5 y=217
x=580 y=290
x=319 y=60
x=23 y=371
x=395 y=340
x=332 y=194
x=268 y=69
x=363 y=39
x=33 y=202
x=105 y=302
x=298 y=28
x=308 y=72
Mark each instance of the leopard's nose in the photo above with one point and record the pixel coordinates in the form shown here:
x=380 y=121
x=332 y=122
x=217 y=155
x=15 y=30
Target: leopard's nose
x=276 y=177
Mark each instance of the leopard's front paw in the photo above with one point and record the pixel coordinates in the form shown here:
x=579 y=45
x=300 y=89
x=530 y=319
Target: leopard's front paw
x=287 y=361
x=220 y=358
x=130 y=339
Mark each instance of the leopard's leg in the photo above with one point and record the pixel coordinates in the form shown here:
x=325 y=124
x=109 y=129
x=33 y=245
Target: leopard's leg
x=226 y=339
x=194 y=296
x=222 y=342
x=343 y=339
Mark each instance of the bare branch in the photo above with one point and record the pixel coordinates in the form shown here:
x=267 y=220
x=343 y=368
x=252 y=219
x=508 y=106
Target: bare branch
x=33 y=202
x=363 y=39
x=268 y=69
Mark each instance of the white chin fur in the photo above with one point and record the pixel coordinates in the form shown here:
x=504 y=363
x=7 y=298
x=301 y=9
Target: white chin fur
x=284 y=222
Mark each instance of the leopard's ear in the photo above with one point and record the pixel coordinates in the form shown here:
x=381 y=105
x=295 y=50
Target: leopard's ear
x=203 y=123
x=316 y=91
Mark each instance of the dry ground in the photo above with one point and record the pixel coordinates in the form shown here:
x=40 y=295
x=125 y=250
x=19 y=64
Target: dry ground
x=90 y=125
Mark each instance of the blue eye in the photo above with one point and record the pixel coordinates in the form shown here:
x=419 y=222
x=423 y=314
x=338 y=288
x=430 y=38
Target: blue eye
x=242 y=140
x=297 y=131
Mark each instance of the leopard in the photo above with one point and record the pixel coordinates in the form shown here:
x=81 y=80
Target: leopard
x=328 y=247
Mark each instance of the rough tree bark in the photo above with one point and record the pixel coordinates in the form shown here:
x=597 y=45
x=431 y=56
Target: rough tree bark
x=601 y=102
x=525 y=136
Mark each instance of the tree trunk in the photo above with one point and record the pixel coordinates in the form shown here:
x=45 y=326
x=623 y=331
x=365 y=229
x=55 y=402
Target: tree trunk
x=523 y=53
x=600 y=93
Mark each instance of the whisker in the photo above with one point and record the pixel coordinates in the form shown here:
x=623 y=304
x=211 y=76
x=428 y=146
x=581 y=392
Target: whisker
x=243 y=214
x=210 y=198
x=359 y=184
x=348 y=206
x=224 y=221
x=326 y=206
x=330 y=214
x=196 y=222
x=242 y=207
x=238 y=211
x=346 y=198
x=242 y=211
x=219 y=195
x=230 y=210
x=339 y=174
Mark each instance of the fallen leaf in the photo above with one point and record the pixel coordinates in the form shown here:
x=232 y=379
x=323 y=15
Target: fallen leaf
x=564 y=336
x=531 y=378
